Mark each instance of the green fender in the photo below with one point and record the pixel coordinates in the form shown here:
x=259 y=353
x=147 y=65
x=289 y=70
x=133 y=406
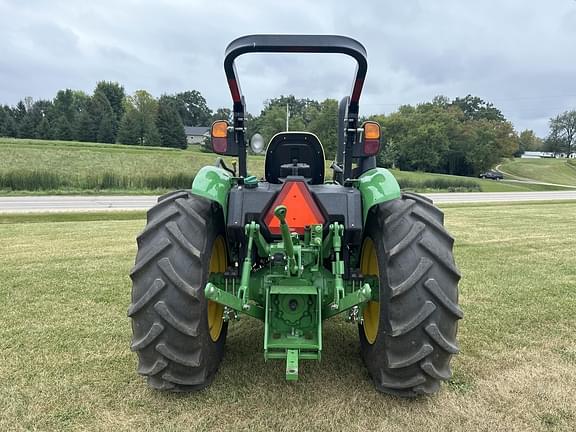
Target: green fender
x=377 y=185
x=213 y=183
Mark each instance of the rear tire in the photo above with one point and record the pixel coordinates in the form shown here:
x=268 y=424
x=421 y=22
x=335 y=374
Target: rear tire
x=408 y=338
x=170 y=315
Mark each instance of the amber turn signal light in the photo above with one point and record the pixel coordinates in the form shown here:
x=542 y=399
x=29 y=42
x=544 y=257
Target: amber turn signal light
x=219 y=129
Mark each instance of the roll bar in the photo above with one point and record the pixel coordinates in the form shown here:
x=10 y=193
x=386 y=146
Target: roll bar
x=294 y=44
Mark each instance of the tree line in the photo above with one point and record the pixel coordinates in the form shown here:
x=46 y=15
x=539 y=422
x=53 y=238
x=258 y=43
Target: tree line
x=462 y=136
x=109 y=115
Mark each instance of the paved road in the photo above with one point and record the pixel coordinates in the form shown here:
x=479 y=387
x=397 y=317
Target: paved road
x=134 y=202
x=75 y=203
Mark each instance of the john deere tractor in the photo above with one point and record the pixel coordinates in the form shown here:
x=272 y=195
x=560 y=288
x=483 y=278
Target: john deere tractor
x=293 y=249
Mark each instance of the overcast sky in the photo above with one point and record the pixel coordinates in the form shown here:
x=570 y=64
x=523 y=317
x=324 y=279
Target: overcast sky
x=518 y=54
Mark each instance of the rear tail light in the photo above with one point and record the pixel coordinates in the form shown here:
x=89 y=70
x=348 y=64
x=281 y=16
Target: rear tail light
x=371 y=138
x=302 y=209
x=219 y=135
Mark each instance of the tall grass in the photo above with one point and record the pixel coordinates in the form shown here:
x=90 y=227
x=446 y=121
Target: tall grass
x=439 y=183
x=42 y=180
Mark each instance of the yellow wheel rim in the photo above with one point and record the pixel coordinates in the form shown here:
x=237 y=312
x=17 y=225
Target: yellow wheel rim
x=369 y=266
x=218 y=262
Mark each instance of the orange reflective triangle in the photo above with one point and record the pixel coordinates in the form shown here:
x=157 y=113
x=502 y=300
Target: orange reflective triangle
x=302 y=210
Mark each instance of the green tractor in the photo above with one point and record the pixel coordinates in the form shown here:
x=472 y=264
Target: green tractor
x=294 y=249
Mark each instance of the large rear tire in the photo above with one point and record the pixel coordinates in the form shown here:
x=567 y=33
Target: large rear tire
x=178 y=335
x=407 y=339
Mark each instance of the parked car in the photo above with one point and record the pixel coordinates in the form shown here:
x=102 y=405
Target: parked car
x=491 y=175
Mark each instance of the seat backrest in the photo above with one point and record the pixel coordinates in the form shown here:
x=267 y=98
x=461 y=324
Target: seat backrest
x=295 y=148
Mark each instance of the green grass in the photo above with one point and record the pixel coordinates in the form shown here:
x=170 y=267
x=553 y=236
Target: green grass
x=420 y=180
x=558 y=171
x=63 y=167
x=64 y=337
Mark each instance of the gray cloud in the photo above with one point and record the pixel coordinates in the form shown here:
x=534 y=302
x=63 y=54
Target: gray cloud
x=517 y=54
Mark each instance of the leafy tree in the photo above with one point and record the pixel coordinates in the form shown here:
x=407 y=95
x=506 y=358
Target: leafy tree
x=221 y=114
x=8 y=126
x=145 y=104
x=300 y=109
x=62 y=129
x=138 y=125
x=84 y=128
x=272 y=119
x=324 y=123
x=106 y=129
x=424 y=147
x=475 y=108
x=193 y=109
x=487 y=142
x=103 y=118
x=130 y=128
x=29 y=125
x=64 y=104
x=19 y=112
x=115 y=94
x=151 y=136
x=80 y=102
x=169 y=124
x=440 y=137
x=43 y=129
x=528 y=141
x=82 y=123
x=553 y=144
x=563 y=132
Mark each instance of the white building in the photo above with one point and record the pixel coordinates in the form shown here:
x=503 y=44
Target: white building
x=536 y=155
x=196 y=134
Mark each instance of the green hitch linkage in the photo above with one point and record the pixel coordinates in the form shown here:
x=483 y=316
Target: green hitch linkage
x=280 y=213
x=250 y=231
x=337 y=231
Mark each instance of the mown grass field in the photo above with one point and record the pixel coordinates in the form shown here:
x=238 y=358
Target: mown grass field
x=558 y=171
x=65 y=362
x=55 y=167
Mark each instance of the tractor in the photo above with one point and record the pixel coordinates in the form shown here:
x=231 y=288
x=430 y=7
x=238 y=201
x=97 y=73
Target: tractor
x=293 y=249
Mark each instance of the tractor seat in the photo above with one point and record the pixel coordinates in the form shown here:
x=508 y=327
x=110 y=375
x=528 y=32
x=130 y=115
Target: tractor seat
x=295 y=154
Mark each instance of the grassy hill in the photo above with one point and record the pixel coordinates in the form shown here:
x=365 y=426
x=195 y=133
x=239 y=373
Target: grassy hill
x=63 y=166
x=558 y=171
x=37 y=166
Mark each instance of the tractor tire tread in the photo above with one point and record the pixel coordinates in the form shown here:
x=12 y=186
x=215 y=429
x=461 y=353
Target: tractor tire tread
x=168 y=308
x=419 y=298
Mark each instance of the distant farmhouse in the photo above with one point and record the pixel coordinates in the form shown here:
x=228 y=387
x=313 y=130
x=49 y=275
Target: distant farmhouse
x=196 y=134
x=538 y=155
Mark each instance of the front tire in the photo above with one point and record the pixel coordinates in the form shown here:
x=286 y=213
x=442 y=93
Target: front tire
x=408 y=338
x=179 y=336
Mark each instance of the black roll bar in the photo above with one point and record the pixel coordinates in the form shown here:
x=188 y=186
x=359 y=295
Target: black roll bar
x=294 y=44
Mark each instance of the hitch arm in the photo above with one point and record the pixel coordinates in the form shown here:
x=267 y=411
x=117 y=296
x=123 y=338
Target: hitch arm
x=355 y=298
x=280 y=213
x=212 y=292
